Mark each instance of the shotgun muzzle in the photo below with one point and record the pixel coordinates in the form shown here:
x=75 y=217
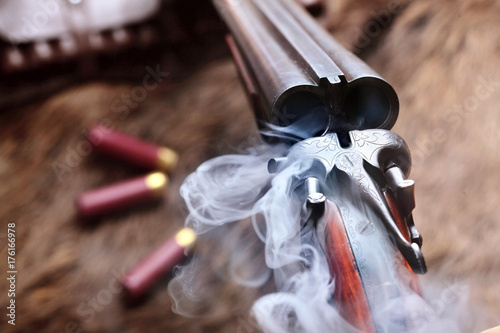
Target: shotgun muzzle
x=296 y=74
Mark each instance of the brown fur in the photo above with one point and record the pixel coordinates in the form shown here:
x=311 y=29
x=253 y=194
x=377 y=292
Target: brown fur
x=435 y=53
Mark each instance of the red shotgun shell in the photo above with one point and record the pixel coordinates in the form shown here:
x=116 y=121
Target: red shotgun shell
x=137 y=152
x=142 y=277
x=114 y=197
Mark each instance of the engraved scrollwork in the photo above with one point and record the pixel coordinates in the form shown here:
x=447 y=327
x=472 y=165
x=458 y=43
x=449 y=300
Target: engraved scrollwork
x=370 y=142
x=352 y=164
x=367 y=144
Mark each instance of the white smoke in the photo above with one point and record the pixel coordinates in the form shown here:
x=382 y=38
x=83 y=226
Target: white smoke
x=235 y=188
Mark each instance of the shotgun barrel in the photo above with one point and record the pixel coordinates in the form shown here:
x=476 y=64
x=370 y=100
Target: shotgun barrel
x=296 y=73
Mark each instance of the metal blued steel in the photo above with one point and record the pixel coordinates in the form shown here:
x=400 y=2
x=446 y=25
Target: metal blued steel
x=384 y=274
x=132 y=150
x=371 y=149
x=138 y=281
x=349 y=293
x=115 y=197
x=391 y=201
x=367 y=241
x=283 y=55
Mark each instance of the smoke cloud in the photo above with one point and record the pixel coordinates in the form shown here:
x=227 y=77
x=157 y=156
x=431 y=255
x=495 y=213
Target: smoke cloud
x=236 y=189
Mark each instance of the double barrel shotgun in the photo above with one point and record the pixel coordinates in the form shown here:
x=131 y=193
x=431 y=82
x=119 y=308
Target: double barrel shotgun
x=327 y=105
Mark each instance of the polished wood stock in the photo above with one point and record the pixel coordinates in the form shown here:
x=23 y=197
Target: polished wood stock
x=349 y=293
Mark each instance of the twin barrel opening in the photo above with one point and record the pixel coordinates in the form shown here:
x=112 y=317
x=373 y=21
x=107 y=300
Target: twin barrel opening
x=363 y=106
